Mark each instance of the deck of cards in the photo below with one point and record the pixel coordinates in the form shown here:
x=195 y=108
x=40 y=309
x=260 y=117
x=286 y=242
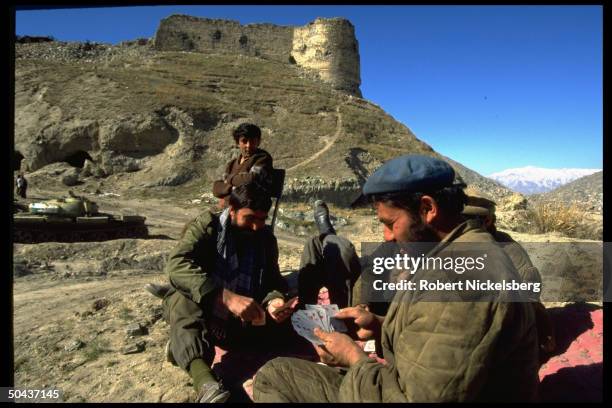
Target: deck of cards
x=321 y=316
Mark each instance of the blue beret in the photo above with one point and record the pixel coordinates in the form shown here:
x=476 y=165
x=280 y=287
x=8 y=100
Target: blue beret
x=410 y=173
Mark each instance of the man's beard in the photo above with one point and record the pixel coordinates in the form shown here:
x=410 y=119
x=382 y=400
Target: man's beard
x=243 y=236
x=421 y=232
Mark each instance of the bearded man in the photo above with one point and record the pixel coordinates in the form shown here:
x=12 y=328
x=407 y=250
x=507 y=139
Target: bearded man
x=226 y=289
x=434 y=350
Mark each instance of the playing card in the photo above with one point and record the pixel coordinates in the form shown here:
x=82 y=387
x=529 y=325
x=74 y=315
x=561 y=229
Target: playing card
x=335 y=324
x=323 y=315
x=331 y=309
x=314 y=317
x=298 y=320
x=304 y=322
x=370 y=346
x=307 y=332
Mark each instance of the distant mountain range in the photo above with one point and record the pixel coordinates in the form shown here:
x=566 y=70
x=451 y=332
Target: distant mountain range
x=586 y=191
x=534 y=180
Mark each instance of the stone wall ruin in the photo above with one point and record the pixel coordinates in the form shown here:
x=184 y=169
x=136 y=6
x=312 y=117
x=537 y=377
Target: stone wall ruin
x=326 y=46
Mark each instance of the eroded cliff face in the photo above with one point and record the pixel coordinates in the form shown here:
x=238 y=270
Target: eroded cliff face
x=326 y=47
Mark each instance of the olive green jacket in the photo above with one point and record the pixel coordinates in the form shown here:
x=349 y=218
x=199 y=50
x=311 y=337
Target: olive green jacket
x=520 y=260
x=191 y=263
x=452 y=351
x=529 y=273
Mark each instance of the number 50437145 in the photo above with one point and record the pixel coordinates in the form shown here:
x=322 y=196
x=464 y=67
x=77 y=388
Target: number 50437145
x=32 y=394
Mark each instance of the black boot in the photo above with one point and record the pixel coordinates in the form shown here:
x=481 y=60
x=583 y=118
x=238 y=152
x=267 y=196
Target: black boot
x=321 y=217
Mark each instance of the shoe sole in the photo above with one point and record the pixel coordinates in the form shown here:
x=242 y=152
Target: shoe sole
x=169 y=356
x=220 y=398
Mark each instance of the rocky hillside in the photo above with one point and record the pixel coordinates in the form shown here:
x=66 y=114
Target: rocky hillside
x=586 y=192
x=159 y=122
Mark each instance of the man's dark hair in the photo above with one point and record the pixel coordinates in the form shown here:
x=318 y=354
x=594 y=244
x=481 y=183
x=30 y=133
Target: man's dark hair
x=450 y=200
x=248 y=130
x=250 y=196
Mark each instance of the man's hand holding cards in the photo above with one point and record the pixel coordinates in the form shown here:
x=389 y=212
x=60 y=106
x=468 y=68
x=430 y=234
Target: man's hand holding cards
x=319 y=316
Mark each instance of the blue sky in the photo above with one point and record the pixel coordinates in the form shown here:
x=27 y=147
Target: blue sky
x=493 y=87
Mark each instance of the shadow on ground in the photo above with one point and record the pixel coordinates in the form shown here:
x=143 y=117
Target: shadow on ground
x=160 y=236
x=574 y=371
x=570 y=321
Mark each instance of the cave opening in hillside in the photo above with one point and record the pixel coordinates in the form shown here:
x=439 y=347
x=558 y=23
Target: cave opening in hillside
x=17 y=163
x=77 y=159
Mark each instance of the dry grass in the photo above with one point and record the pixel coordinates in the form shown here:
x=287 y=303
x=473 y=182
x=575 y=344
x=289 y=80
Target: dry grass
x=569 y=220
x=549 y=217
x=95 y=349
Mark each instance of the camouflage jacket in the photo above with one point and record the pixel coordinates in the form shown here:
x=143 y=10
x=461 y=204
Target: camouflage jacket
x=191 y=264
x=452 y=351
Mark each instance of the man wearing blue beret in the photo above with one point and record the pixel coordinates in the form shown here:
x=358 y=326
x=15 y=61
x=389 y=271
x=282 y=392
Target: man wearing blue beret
x=435 y=351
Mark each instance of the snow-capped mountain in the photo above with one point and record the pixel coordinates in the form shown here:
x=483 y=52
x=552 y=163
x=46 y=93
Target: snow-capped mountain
x=532 y=180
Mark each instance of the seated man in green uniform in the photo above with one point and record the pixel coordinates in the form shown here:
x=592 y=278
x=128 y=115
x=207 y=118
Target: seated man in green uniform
x=253 y=164
x=434 y=351
x=481 y=207
x=225 y=276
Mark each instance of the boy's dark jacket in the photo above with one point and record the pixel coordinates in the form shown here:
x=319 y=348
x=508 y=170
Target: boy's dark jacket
x=237 y=174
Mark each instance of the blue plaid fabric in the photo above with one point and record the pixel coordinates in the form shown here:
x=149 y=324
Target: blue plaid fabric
x=233 y=273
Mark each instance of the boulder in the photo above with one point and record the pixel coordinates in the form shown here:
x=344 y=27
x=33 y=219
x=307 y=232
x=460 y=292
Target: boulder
x=136 y=329
x=62 y=172
x=138 y=347
x=112 y=162
x=74 y=345
x=90 y=169
x=70 y=177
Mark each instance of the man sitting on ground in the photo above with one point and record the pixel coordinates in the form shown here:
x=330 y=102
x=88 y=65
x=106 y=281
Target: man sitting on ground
x=225 y=276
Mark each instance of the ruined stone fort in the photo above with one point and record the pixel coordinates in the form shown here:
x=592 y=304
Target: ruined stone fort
x=326 y=46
